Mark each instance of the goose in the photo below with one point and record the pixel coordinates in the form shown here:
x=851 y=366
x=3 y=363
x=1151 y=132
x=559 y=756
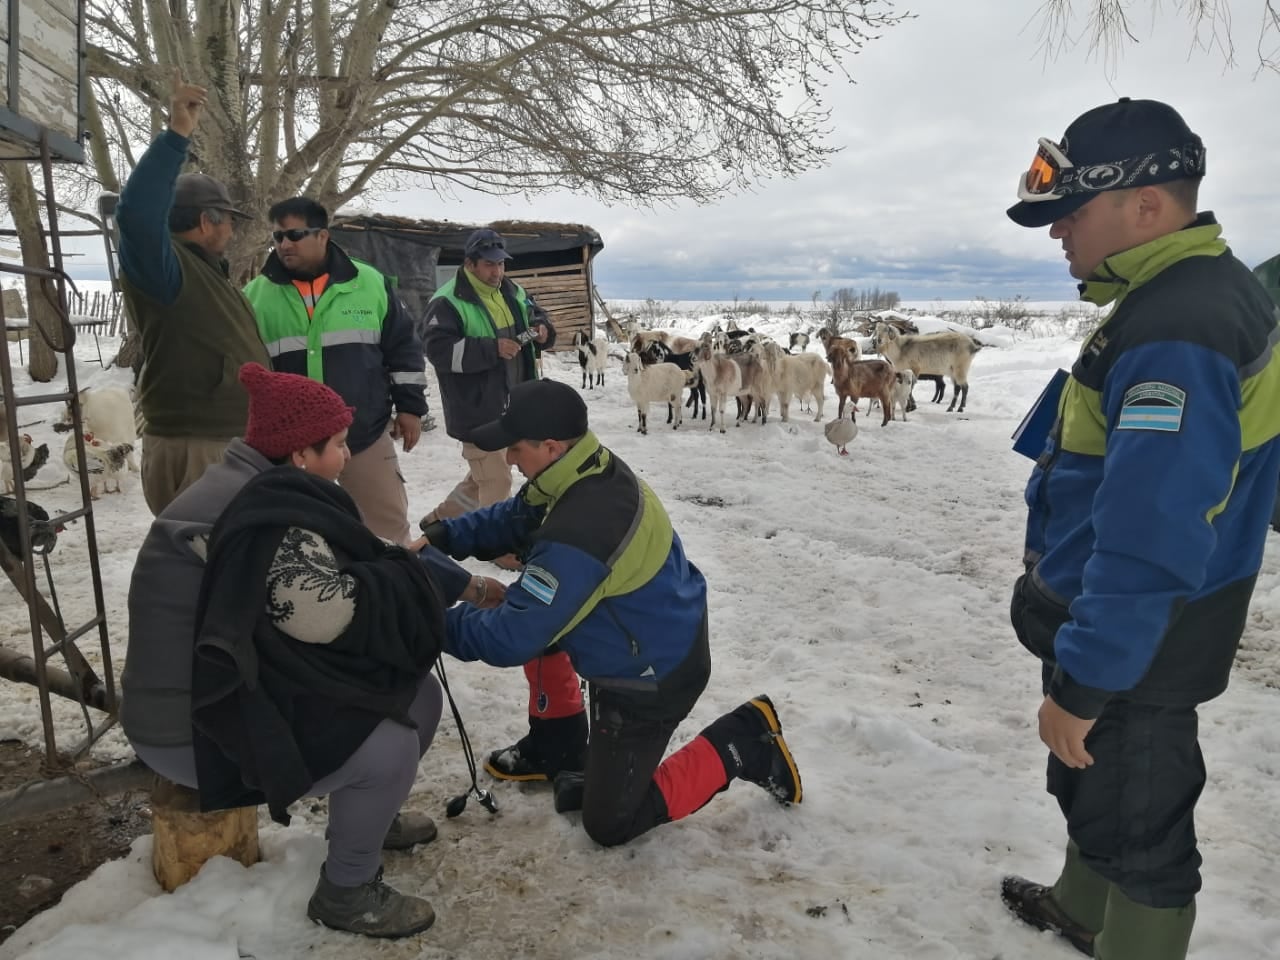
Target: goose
x=839 y=432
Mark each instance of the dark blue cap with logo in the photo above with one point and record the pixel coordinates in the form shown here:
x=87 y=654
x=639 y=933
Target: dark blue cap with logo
x=486 y=244
x=537 y=410
x=1129 y=143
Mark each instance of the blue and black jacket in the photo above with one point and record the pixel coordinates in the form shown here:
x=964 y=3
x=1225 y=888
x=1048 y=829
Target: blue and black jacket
x=1149 y=508
x=605 y=578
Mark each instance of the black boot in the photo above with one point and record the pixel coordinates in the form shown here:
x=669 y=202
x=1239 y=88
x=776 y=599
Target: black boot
x=1033 y=903
x=372 y=909
x=749 y=741
x=549 y=747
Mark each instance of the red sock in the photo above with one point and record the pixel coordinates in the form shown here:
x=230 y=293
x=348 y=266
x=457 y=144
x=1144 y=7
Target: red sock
x=690 y=777
x=554 y=690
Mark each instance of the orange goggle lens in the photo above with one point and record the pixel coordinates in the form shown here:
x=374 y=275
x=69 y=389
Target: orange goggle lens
x=1044 y=173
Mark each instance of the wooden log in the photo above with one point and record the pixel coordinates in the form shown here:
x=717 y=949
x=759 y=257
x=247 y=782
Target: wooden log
x=186 y=839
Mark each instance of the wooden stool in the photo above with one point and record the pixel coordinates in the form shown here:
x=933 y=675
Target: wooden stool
x=185 y=838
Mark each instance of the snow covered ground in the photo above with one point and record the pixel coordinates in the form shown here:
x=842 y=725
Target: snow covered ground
x=868 y=596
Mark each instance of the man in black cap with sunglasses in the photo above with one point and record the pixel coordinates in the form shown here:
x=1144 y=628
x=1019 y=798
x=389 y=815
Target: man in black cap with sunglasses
x=195 y=326
x=1148 y=511
x=332 y=318
x=484 y=336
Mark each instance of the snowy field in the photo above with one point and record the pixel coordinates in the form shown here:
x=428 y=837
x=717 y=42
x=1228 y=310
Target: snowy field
x=867 y=595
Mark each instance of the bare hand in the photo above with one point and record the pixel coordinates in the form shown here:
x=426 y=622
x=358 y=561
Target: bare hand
x=488 y=596
x=418 y=545
x=507 y=348
x=1064 y=733
x=408 y=426
x=186 y=105
x=540 y=334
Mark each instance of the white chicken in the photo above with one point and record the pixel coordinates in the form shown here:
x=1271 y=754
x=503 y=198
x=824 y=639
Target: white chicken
x=26 y=454
x=106 y=461
x=840 y=432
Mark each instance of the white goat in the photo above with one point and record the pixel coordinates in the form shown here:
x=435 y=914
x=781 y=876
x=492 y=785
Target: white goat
x=722 y=377
x=657 y=383
x=592 y=357
x=801 y=375
x=948 y=353
x=900 y=395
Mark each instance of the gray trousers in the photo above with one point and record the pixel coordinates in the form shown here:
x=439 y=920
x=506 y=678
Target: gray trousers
x=365 y=793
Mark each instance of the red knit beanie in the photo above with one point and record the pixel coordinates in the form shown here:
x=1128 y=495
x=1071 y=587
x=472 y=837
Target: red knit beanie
x=288 y=412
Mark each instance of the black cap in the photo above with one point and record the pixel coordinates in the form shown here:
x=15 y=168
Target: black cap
x=201 y=191
x=1129 y=143
x=486 y=244
x=537 y=410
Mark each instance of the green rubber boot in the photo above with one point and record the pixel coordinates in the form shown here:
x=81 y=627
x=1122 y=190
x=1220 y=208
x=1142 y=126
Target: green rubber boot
x=1081 y=893
x=1133 y=931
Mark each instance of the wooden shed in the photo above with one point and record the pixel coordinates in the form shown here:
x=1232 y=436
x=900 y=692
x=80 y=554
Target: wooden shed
x=42 y=79
x=551 y=260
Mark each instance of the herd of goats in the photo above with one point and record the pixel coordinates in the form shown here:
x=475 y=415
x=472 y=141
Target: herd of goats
x=753 y=368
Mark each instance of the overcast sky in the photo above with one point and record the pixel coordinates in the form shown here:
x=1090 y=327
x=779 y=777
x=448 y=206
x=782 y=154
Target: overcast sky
x=942 y=120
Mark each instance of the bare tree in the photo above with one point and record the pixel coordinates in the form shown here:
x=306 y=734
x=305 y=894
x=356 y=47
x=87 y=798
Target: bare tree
x=638 y=100
x=1108 y=27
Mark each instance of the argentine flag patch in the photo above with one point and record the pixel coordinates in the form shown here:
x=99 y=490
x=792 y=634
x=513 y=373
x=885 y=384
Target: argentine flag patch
x=1152 y=406
x=539 y=584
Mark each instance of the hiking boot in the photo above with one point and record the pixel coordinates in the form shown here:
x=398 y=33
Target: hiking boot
x=408 y=830
x=372 y=909
x=551 y=745
x=1033 y=903
x=749 y=741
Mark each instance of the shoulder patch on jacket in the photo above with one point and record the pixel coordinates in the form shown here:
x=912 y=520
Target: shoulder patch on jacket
x=539 y=584
x=1152 y=406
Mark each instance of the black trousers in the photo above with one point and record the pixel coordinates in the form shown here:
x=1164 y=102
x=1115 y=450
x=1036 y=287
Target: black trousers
x=1132 y=813
x=620 y=799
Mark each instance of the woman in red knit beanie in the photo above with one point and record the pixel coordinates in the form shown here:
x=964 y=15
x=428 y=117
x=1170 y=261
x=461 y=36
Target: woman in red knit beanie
x=278 y=649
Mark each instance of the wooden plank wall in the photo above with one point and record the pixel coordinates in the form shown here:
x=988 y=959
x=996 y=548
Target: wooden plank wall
x=47 y=48
x=564 y=292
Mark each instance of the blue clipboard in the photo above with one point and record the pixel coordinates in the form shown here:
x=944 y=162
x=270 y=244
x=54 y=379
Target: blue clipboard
x=1033 y=431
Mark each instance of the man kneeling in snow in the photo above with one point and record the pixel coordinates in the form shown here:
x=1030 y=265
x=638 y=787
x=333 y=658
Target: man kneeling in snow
x=606 y=591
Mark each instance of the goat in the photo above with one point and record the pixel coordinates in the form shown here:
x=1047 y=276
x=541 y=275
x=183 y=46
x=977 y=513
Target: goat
x=900 y=396
x=799 y=343
x=723 y=378
x=655 y=383
x=658 y=352
x=757 y=384
x=948 y=353
x=802 y=375
x=592 y=357
x=855 y=379
x=939 y=387
x=830 y=340
x=645 y=337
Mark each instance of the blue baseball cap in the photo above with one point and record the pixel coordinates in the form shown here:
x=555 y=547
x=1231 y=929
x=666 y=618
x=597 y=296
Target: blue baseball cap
x=486 y=244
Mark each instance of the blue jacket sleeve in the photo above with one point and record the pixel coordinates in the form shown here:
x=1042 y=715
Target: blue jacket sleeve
x=491 y=531
x=551 y=594
x=449 y=350
x=452 y=578
x=1152 y=515
x=402 y=354
x=146 y=248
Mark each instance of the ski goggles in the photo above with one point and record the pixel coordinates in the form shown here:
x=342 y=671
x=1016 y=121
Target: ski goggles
x=1053 y=176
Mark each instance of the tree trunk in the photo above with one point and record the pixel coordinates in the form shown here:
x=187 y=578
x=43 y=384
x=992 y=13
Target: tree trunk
x=24 y=207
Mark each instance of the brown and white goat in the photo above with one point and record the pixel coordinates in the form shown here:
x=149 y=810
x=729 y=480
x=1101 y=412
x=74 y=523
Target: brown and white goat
x=722 y=378
x=855 y=379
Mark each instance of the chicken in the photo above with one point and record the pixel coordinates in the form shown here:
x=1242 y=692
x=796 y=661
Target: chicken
x=43 y=533
x=840 y=432
x=106 y=461
x=26 y=455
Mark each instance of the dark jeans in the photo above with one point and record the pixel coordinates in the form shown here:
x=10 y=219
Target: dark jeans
x=620 y=798
x=1132 y=813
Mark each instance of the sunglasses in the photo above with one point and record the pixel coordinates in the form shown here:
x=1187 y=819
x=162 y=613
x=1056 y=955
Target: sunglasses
x=1053 y=176
x=294 y=235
